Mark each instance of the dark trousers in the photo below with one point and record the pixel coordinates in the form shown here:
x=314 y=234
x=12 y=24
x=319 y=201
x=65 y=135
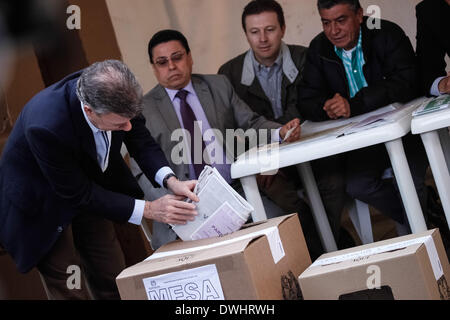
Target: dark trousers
x=329 y=173
x=366 y=166
x=358 y=175
x=89 y=243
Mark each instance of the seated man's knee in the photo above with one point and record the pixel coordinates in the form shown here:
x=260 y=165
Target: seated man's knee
x=359 y=187
x=333 y=183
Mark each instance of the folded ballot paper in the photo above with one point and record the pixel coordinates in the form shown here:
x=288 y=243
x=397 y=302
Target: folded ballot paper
x=221 y=209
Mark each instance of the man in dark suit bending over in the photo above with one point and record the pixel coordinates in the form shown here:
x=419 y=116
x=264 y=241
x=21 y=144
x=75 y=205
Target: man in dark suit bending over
x=63 y=179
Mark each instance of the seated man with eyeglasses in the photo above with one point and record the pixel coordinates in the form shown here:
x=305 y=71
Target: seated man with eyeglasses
x=183 y=100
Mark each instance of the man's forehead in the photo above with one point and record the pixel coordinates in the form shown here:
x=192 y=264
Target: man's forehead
x=336 y=12
x=164 y=48
x=265 y=17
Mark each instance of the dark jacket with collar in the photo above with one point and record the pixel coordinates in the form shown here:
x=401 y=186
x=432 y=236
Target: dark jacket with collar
x=251 y=91
x=433 y=40
x=390 y=71
x=49 y=173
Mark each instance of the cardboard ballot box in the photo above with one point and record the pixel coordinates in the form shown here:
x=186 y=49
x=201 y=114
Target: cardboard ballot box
x=410 y=267
x=260 y=261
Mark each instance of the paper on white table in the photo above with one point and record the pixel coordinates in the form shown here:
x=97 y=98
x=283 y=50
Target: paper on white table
x=368 y=123
x=432 y=105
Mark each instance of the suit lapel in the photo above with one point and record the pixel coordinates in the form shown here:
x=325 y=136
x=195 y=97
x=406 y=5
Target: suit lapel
x=165 y=108
x=170 y=118
x=206 y=100
x=257 y=90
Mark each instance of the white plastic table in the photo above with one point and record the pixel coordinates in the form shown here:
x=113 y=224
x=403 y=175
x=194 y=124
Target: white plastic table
x=431 y=127
x=267 y=159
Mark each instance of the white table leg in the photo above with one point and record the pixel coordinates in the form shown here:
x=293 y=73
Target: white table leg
x=319 y=214
x=439 y=168
x=444 y=137
x=406 y=185
x=254 y=197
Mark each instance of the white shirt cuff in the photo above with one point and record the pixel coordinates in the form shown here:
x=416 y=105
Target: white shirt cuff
x=138 y=212
x=161 y=174
x=275 y=136
x=435 y=87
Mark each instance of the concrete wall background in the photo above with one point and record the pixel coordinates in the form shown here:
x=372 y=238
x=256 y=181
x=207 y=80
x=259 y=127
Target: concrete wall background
x=213 y=27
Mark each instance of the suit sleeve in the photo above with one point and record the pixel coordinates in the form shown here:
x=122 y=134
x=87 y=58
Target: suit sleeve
x=399 y=81
x=61 y=168
x=144 y=149
x=430 y=51
x=314 y=89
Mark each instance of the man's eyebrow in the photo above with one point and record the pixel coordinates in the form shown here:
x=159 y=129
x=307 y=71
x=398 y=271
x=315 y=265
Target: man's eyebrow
x=340 y=17
x=179 y=51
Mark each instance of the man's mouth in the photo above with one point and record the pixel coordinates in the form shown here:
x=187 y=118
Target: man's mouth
x=338 y=39
x=174 y=76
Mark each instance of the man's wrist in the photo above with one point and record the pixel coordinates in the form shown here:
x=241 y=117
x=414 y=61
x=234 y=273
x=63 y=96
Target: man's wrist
x=147 y=210
x=441 y=85
x=166 y=179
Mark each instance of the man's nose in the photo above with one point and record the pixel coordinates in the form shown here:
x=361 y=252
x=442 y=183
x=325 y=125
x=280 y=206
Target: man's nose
x=263 y=37
x=171 y=64
x=334 y=29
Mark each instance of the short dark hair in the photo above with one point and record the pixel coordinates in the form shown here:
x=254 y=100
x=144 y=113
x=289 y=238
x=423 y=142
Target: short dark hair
x=260 y=6
x=327 y=4
x=110 y=87
x=166 y=36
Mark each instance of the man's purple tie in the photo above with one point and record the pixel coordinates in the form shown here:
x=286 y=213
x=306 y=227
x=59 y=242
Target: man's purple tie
x=189 y=119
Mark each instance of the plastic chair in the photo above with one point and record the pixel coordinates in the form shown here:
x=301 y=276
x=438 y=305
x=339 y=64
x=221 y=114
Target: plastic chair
x=147 y=232
x=360 y=216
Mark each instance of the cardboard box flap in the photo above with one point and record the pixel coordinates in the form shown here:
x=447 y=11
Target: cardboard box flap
x=207 y=249
x=243 y=236
x=359 y=258
x=374 y=245
x=371 y=253
x=246 y=229
x=158 y=262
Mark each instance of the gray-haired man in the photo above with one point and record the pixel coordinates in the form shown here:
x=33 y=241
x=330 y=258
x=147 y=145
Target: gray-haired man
x=62 y=178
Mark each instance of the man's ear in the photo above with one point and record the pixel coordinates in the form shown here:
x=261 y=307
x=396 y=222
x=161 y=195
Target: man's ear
x=283 y=30
x=360 y=15
x=190 y=58
x=88 y=110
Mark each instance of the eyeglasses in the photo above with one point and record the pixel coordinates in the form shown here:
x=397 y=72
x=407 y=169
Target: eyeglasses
x=164 y=61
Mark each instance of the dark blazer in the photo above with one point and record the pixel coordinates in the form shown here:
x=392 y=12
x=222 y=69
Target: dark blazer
x=390 y=71
x=253 y=94
x=433 y=40
x=49 y=173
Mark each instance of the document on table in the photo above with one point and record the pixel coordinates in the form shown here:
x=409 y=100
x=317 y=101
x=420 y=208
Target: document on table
x=336 y=131
x=433 y=104
x=368 y=123
x=312 y=131
x=221 y=209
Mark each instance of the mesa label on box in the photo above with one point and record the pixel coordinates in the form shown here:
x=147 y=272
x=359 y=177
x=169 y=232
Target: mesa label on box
x=200 y=283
